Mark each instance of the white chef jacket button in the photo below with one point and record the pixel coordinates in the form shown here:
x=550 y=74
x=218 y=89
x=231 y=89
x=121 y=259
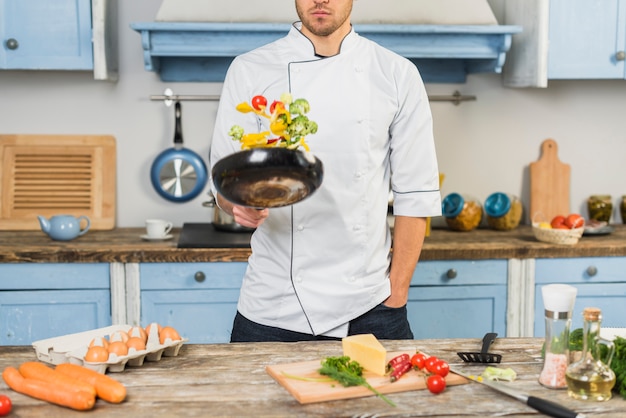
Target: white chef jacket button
x=356 y=227
x=358 y=175
x=351 y=279
x=300 y=228
x=299 y=279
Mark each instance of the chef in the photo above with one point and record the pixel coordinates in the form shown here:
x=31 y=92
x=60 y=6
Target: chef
x=323 y=268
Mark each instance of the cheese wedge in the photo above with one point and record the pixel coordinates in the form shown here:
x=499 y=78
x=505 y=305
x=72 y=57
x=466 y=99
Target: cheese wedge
x=367 y=351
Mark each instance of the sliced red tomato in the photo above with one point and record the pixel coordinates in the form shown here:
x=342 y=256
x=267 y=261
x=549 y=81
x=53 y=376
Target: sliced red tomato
x=259 y=102
x=274 y=104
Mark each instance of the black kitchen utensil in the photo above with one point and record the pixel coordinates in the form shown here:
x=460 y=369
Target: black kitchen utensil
x=542 y=405
x=178 y=174
x=267 y=177
x=484 y=356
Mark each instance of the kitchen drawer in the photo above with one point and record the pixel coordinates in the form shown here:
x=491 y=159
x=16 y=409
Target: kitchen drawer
x=580 y=270
x=227 y=275
x=460 y=272
x=203 y=316
x=31 y=315
x=600 y=281
x=54 y=276
x=457 y=311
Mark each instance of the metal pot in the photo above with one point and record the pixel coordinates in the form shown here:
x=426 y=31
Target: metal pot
x=222 y=221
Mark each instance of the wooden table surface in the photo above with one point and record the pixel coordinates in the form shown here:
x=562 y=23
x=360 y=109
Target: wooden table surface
x=124 y=245
x=230 y=380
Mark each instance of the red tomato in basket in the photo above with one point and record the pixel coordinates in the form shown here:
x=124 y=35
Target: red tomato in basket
x=574 y=220
x=558 y=222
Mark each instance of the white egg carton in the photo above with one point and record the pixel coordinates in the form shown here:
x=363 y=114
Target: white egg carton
x=72 y=348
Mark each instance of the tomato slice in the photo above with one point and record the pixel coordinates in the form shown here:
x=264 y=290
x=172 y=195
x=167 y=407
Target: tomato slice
x=259 y=102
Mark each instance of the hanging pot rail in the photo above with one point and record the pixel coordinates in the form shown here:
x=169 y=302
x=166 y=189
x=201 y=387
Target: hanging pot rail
x=168 y=97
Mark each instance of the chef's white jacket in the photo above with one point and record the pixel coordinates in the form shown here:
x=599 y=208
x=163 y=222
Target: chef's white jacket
x=325 y=260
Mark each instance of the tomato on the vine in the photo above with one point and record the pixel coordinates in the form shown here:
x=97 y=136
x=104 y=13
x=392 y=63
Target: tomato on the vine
x=429 y=363
x=418 y=359
x=441 y=368
x=259 y=102
x=5 y=405
x=435 y=383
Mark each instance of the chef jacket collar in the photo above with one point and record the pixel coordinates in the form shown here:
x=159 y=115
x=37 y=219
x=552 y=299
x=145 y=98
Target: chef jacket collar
x=348 y=41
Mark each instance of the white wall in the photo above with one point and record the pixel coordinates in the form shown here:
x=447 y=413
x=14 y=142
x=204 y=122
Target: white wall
x=483 y=146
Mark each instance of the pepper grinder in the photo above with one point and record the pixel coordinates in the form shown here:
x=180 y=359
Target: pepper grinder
x=558 y=302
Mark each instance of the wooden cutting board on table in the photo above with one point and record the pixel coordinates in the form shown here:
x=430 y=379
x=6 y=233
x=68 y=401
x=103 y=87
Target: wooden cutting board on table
x=310 y=392
x=549 y=184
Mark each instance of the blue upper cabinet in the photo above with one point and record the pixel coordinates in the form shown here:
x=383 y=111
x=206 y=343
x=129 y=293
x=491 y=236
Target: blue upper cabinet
x=565 y=39
x=192 y=51
x=73 y=35
x=587 y=39
x=44 y=34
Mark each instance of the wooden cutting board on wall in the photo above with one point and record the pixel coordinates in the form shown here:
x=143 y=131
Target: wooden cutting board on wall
x=549 y=184
x=57 y=174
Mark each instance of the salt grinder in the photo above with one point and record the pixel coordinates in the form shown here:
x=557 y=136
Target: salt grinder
x=558 y=302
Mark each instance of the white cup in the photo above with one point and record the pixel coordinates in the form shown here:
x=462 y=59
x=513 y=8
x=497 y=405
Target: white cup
x=158 y=228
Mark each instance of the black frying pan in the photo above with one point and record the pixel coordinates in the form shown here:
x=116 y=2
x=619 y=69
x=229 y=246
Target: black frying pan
x=178 y=174
x=267 y=177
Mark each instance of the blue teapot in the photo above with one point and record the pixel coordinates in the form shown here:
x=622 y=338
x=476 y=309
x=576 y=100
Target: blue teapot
x=63 y=227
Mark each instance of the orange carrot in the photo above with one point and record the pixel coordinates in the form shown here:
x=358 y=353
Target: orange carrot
x=39 y=371
x=47 y=391
x=107 y=388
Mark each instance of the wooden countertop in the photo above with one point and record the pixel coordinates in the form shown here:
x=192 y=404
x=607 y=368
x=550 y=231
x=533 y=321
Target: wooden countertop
x=230 y=380
x=124 y=245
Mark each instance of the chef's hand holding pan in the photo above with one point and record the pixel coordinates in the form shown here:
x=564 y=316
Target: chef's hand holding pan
x=243 y=215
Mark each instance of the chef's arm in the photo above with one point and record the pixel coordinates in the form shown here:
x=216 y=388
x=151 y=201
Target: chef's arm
x=250 y=217
x=408 y=238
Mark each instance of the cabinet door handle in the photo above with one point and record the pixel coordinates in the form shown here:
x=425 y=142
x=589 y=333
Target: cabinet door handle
x=199 y=276
x=620 y=55
x=451 y=274
x=12 y=43
x=592 y=271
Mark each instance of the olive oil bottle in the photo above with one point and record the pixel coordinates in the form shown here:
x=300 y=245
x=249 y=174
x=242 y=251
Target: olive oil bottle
x=591 y=378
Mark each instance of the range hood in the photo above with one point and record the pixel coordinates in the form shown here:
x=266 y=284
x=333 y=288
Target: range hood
x=446 y=39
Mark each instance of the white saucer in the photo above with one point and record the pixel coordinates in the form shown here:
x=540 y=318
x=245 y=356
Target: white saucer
x=163 y=238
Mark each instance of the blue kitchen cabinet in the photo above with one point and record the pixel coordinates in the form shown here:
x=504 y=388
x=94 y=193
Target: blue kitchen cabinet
x=587 y=39
x=458 y=298
x=46 y=35
x=198 y=299
x=40 y=301
x=601 y=282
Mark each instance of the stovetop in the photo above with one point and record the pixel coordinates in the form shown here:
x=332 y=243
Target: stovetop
x=204 y=235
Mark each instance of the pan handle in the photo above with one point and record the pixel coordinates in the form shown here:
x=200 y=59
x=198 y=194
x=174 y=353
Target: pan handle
x=178 y=128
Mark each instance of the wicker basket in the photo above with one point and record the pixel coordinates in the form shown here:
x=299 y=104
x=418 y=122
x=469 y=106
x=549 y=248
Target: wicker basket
x=557 y=236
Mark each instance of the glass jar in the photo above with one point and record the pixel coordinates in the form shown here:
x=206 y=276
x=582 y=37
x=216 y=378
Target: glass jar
x=622 y=209
x=503 y=211
x=462 y=213
x=591 y=378
x=600 y=207
x=558 y=301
